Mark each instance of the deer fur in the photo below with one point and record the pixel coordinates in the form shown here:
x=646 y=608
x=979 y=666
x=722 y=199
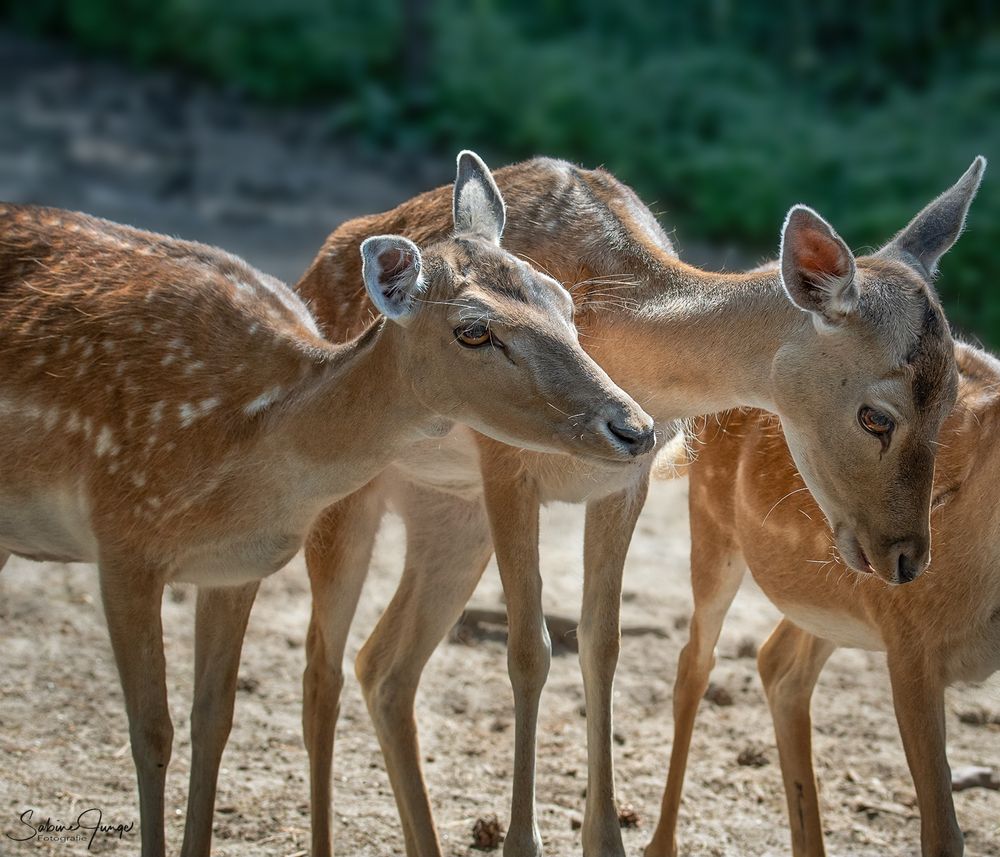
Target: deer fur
x=173 y=415
x=749 y=509
x=811 y=340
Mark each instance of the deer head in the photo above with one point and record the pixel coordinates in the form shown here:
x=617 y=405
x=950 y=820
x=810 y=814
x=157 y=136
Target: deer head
x=490 y=341
x=863 y=398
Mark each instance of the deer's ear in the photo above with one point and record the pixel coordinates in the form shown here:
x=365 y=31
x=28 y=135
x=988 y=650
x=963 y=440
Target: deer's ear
x=817 y=267
x=478 y=206
x=932 y=232
x=390 y=265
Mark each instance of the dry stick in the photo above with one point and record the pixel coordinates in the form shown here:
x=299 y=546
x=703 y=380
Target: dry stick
x=562 y=629
x=974 y=776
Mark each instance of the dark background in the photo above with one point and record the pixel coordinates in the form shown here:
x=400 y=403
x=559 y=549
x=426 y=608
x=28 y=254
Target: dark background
x=721 y=114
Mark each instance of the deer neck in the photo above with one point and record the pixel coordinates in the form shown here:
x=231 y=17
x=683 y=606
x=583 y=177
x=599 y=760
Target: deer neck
x=353 y=415
x=688 y=342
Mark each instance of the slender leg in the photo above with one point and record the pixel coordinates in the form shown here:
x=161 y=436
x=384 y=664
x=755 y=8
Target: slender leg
x=338 y=553
x=513 y=506
x=448 y=546
x=716 y=572
x=4 y=556
x=789 y=664
x=918 y=695
x=220 y=624
x=132 y=598
x=610 y=523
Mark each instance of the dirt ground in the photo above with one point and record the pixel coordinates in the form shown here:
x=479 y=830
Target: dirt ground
x=163 y=153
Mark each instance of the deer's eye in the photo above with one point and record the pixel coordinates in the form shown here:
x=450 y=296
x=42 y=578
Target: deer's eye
x=876 y=423
x=474 y=336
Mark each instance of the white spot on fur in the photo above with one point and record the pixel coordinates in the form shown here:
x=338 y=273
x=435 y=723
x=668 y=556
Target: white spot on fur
x=264 y=400
x=156 y=412
x=38 y=360
x=105 y=443
x=190 y=412
x=168 y=359
x=138 y=479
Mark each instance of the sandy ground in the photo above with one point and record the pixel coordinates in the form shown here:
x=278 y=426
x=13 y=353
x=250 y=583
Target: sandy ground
x=146 y=149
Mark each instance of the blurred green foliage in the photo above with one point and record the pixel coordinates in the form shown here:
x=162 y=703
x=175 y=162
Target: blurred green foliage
x=722 y=113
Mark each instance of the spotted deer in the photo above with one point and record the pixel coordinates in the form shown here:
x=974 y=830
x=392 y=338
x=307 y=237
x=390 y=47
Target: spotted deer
x=174 y=415
x=838 y=346
x=749 y=509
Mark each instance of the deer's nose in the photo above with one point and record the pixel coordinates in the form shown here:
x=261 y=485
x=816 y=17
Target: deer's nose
x=908 y=559
x=638 y=440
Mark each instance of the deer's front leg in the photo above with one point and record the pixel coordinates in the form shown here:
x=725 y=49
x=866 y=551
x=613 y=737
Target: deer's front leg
x=338 y=553
x=610 y=523
x=132 y=598
x=220 y=623
x=918 y=696
x=513 y=505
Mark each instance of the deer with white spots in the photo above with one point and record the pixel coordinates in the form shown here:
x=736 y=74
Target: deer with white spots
x=841 y=348
x=749 y=510
x=172 y=414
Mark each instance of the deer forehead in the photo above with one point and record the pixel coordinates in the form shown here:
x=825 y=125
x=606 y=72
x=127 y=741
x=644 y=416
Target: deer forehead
x=475 y=264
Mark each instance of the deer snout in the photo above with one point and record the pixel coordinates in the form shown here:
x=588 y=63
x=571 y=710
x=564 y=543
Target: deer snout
x=638 y=441
x=630 y=432
x=908 y=559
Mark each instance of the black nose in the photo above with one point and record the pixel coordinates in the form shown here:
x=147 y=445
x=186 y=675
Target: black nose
x=910 y=560
x=906 y=569
x=638 y=441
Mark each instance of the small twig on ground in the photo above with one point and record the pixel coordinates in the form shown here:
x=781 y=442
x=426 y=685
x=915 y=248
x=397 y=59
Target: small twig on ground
x=974 y=777
x=562 y=629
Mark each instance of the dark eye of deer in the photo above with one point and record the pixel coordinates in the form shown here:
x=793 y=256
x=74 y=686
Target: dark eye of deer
x=876 y=423
x=474 y=336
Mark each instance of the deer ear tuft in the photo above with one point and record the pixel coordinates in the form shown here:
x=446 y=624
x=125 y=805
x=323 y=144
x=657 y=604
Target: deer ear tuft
x=390 y=266
x=477 y=203
x=818 y=270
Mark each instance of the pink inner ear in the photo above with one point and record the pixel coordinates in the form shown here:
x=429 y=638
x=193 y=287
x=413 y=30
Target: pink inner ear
x=817 y=253
x=393 y=263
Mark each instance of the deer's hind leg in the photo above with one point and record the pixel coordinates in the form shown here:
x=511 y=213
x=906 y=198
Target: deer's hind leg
x=338 y=554
x=221 y=617
x=716 y=571
x=447 y=548
x=790 y=663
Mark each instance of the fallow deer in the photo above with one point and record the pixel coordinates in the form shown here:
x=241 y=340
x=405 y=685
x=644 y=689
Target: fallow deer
x=749 y=509
x=826 y=338
x=174 y=415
